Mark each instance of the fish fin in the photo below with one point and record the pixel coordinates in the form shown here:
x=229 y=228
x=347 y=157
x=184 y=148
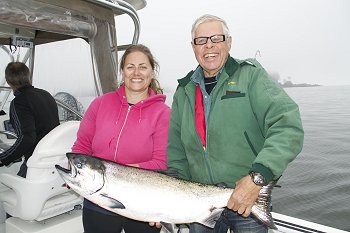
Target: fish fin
x=111 y=202
x=264 y=216
x=210 y=221
x=261 y=208
x=222 y=185
x=168 y=226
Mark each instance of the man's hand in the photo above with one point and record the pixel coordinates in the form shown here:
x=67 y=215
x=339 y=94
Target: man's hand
x=243 y=197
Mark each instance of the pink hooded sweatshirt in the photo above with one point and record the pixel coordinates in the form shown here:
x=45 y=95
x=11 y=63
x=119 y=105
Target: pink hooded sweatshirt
x=115 y=131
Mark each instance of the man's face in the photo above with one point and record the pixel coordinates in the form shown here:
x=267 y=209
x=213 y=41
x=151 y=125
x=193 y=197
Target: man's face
x=211 y=56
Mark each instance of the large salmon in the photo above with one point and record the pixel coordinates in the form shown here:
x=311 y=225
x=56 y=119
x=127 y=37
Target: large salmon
x=150 y=196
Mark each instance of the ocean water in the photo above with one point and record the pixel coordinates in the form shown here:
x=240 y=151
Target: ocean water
x=316 y=185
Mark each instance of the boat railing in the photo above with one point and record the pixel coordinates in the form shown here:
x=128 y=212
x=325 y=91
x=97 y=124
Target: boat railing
x=118 y=7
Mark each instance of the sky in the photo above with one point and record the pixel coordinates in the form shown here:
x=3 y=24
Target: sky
x=302 y=41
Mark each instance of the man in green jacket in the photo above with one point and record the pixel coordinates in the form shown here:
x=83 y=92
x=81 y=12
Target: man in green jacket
x=231 y=123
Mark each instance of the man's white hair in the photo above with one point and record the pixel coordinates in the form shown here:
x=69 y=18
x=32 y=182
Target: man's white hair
x=209 y=18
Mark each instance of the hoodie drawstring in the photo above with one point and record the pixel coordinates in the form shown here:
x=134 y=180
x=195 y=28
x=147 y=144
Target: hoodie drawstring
x=140 y=112
x=120 y=133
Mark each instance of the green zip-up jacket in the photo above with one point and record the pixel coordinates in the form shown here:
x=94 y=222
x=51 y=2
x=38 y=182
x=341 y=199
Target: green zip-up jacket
x=253 y=125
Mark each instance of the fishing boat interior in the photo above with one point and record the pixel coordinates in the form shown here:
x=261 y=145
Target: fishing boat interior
x=41 y=34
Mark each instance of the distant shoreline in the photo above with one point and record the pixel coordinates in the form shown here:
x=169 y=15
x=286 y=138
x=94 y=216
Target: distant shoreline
x=289 y=84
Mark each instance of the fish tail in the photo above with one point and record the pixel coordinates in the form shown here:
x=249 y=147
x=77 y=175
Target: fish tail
x=262 y=206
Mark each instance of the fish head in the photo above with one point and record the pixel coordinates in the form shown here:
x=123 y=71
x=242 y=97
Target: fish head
x=86 y=174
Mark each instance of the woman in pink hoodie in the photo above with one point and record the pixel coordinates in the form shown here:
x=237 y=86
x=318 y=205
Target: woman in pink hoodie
x=128 y=126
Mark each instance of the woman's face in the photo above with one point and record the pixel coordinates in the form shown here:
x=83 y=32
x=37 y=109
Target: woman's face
x=137 y=72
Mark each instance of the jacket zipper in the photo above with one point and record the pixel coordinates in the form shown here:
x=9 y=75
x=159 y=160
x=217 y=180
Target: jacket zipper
x=205 y=154
x=120 y=133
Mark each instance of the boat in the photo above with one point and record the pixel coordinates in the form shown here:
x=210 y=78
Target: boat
x=37 y=32
x=39 y=203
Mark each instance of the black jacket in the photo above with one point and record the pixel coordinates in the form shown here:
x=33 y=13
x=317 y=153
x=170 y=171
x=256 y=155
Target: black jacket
x=33 y=113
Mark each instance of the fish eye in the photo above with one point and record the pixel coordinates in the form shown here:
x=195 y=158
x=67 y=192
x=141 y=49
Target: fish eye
x=79 y=165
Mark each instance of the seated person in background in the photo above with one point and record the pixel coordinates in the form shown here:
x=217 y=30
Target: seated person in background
x=33 y=114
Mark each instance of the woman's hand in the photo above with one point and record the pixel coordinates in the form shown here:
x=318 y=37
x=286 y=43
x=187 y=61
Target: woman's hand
x=156 y=224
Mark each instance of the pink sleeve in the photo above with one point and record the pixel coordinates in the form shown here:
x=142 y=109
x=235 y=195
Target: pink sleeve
x=86 y=131
x=160 y=141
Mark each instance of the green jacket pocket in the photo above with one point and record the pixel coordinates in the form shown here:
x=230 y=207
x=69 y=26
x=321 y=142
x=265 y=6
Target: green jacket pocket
x=232 y=94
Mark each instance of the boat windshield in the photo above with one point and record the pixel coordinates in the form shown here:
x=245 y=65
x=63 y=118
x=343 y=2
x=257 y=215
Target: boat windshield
x=67 y=76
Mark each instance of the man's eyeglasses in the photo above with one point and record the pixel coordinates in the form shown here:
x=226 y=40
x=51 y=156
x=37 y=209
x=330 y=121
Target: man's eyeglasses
x=204 y=40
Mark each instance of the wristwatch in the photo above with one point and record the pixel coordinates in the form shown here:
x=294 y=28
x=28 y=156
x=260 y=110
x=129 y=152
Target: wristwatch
x=257 y=178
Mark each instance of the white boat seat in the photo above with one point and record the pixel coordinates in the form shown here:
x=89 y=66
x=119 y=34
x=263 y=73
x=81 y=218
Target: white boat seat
x=41 y=194
x=12 y=169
